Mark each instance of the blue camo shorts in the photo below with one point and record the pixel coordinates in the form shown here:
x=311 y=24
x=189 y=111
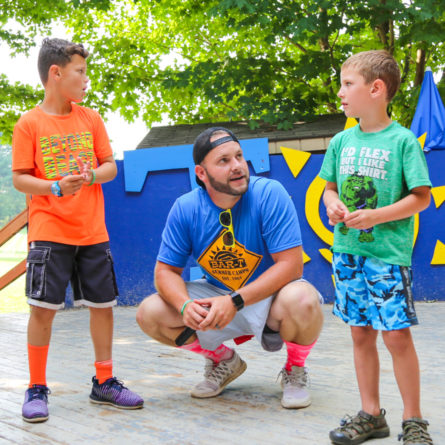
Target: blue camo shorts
x=370 y=292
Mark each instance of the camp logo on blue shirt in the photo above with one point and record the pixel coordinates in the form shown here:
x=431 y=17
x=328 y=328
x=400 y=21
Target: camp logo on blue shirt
x=232 y=266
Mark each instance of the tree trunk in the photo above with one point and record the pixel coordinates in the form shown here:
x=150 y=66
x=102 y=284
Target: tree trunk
x=391 y=37
x=420 y=66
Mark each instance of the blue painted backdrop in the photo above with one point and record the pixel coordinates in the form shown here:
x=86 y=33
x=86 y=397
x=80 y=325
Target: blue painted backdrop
x=135 y=219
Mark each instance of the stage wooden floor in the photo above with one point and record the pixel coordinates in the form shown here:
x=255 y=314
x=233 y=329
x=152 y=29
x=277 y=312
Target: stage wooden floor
x=249 y=410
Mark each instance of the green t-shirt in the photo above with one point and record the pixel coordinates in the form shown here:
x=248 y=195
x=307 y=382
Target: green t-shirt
x=374 y=170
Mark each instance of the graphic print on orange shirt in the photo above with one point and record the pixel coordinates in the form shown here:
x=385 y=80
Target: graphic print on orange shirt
x=60 y=153
x=232 y=266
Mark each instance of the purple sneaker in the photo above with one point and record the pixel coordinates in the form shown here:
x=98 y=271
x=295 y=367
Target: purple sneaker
x=35 y=407
x=113 y=392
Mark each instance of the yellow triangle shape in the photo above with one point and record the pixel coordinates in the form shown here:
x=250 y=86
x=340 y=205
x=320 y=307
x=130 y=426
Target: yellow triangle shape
x=438 y=195
x=422 y=140
x=439 y=253
x=306 y=258
x=326 y=254
x=295 y=159
x=350 y=122
x=416 y=228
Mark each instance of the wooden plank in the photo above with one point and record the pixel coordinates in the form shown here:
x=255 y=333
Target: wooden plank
x=14 y=226
x=6 y=233
x=247 y=412
x=10 y=434
x=13 y=274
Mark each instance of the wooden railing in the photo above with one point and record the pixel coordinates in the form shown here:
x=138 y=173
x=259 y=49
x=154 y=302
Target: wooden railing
x=6 y=233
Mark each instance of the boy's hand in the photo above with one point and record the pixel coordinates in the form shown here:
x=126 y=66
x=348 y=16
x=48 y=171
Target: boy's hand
x=71 y=184
x=85 y=170
x=337 y=212
x=361 y=219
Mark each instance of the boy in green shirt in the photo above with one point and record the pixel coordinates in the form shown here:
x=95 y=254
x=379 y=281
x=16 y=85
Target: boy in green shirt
x=377 y=181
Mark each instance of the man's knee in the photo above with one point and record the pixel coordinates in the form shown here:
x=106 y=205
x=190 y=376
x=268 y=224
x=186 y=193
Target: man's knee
x=300 y=298
x=297 y=312
x=149 y=312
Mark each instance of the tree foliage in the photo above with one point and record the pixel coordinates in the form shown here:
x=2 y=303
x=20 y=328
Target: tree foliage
x=272 y=60
x=21 y=21
x=12 y=202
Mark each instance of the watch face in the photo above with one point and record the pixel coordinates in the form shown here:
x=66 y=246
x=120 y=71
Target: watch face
x=237 y=301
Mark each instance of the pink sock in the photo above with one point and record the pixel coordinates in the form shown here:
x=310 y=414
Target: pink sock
x=220 y=353
x=296 y=354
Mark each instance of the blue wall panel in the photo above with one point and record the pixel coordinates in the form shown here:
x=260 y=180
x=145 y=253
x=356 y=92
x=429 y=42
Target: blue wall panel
x=135 y=221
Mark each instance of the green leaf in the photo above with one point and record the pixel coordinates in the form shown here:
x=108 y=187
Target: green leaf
x=193 y=61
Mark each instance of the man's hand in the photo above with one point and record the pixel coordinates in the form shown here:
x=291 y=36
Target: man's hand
x=221 y=312
x=194 y=314
x=337 y=212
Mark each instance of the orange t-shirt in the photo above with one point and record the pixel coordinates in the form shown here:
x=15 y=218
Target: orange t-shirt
x=51 y=146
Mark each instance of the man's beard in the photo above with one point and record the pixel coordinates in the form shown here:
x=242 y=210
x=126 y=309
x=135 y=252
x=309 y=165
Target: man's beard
x=226 y=188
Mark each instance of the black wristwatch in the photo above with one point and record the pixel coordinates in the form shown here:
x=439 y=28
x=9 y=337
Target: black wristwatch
x=237 y=300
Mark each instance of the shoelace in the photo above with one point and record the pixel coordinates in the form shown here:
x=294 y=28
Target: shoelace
x=114 y=382
x=39 y=393
x=209 y=365
x=216 y=373
x=352 y=425
x=350 y=420
x=413 y=431
x=300 y=378
x=359 y=423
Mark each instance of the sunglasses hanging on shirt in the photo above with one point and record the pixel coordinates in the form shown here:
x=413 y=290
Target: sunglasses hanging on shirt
x=225 y=219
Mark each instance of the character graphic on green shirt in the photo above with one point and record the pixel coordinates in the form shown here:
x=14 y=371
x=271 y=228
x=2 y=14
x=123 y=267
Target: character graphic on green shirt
x=358 y=192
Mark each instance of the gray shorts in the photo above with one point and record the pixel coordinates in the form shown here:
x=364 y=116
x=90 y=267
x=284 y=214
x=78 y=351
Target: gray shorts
x=251 y=320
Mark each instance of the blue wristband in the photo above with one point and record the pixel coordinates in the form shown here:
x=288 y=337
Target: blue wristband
x=56 y=190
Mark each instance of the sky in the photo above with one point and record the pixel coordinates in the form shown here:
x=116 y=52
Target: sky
x=123 y=136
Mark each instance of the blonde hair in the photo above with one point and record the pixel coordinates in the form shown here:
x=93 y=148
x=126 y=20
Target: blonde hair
x=377 y=64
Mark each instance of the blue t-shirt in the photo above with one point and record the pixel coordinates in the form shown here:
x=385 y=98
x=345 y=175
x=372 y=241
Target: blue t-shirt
x=264 y=220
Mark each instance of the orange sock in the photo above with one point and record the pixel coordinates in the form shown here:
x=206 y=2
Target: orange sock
x=37 y=357
x=104 y=370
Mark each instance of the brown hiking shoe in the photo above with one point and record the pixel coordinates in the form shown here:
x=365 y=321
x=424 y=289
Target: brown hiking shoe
x=415 y=432
x=355 y=430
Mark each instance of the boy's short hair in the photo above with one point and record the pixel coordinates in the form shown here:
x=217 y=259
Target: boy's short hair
x=377 y=64
x=57 y=52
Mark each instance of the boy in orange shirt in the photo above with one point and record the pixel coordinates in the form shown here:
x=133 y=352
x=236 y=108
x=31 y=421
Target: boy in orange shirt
x=61 y=155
